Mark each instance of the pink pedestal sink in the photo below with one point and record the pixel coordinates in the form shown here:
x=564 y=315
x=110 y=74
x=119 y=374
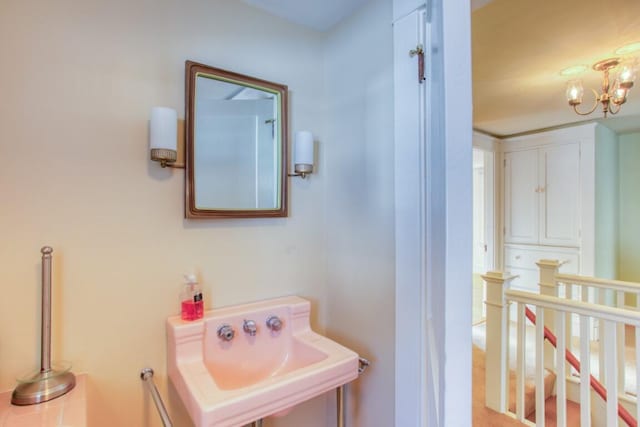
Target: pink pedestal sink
x=233 y=383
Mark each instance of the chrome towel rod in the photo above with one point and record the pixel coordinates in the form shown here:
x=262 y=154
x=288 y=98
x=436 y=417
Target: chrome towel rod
x=147 y=376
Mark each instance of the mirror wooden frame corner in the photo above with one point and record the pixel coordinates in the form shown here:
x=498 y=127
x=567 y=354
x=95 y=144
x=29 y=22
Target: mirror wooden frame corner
x=192 y=70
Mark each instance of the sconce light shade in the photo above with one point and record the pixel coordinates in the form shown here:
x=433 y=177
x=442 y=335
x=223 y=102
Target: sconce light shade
x=303 y=153
x=163 y=135
x=304 y=148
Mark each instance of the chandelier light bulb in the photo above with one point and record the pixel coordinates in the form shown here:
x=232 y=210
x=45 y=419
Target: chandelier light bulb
x=619 y=94
x=627 y=74
x=575 y=91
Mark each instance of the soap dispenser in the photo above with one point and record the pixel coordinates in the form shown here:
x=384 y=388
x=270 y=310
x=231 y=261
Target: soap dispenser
x=192 y=306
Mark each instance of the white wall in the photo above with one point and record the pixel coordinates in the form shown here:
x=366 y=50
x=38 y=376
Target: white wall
x=78 y=81
x=359 y=204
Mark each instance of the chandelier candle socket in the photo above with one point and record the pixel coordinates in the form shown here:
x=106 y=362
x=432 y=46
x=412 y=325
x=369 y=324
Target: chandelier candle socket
x=613 y=95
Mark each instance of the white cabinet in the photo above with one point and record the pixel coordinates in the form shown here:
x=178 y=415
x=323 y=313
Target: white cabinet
x=521 y=260
x=542 y=195
x=556 y=204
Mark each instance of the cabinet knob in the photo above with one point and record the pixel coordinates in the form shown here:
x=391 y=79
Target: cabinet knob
x=540 y=189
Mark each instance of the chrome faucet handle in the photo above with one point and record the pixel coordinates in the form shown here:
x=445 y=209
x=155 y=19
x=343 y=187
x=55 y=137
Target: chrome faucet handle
x=250 y=327
x=274 y=323
x=226 y=332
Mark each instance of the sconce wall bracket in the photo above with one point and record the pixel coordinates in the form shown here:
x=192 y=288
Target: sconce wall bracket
x=166 y=157
x=302 y=170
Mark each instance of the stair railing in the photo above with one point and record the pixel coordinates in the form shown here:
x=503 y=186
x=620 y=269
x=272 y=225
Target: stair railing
x=546 y=306
x=595 y=290
x=593 y=382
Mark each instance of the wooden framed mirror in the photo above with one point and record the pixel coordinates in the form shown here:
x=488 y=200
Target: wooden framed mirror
x=236 y=140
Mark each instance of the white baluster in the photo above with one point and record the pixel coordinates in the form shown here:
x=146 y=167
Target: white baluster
x=585 y=371
x=621 y=356
x=611 y=378
x=572 y=294
x=561 y=379
x=540 y=366
x=520 y=363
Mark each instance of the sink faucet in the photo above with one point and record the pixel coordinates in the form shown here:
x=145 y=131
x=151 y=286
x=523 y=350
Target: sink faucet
x=250 y=327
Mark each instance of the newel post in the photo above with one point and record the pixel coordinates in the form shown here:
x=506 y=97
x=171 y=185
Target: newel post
x=496 y=369
x=548 y=269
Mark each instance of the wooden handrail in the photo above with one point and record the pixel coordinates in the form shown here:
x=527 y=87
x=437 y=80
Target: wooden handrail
x=596 y=282
x=573 y=361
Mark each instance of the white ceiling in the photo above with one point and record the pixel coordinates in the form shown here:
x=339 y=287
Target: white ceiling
x=319 y=15
x=520 y=47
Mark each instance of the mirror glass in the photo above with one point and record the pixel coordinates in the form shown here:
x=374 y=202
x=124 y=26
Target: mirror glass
x=236 y=132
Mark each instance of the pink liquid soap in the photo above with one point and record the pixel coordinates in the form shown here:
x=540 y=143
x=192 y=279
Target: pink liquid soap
x=192 y=310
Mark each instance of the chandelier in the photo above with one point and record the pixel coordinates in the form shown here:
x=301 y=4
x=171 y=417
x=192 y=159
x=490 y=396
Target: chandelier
x=613 y=95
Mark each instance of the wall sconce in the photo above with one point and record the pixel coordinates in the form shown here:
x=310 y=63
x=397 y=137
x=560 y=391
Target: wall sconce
x=163 y=137
x=303 y=154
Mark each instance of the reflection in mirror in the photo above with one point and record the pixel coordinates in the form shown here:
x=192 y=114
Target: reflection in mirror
x=236 y=145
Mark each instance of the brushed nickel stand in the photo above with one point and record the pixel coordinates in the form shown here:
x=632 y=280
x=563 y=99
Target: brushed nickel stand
x=48 y=383
x=363 y=364
x=146 y=375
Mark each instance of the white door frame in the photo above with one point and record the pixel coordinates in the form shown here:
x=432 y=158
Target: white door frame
x=492 y=208
x=438 y=322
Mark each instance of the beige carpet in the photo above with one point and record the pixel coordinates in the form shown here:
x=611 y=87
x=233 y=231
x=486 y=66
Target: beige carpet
x=485 y=417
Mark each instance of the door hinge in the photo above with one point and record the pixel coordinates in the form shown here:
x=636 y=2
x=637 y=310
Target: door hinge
x=419 y=51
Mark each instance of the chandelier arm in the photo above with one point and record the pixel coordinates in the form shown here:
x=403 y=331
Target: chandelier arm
x=595 y=105
x=612 y=111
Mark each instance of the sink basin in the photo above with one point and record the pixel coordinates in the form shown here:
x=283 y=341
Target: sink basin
x=233 y=383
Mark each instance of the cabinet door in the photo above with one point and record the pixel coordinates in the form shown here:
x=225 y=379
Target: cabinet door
x=520 y=197
x=559 y=195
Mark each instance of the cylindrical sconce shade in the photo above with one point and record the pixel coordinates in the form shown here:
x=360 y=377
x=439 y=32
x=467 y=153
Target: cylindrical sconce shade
x=163 y=131
x=303 y=150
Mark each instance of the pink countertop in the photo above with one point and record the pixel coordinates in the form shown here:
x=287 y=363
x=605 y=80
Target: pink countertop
x=69 y=410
